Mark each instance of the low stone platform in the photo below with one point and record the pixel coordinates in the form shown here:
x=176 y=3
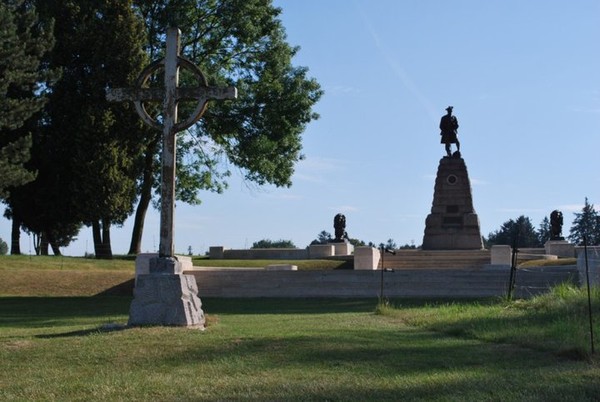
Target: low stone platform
x=415 y=283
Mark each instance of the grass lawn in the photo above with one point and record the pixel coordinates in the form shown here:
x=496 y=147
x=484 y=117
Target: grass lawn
x=62 y=348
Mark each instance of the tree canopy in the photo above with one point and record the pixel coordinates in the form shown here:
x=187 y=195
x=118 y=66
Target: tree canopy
x=94 y=158
x=519 y=230
x=240 y=43
x=23 y=86
x=87 y=151
x=586 y=224
x=266 y=243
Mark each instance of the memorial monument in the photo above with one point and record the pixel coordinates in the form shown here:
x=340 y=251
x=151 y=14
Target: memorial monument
x=339 y=226
x=165 y=296
x=452 y=223
x=557 y=245
x=556 y=224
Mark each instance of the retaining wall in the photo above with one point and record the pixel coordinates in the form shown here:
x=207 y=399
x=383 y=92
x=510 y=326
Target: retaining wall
x=421 y=283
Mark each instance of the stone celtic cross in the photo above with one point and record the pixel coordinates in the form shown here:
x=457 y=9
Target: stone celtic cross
x=170 y=95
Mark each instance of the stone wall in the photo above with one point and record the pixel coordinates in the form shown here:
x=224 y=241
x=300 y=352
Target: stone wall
x=430 y=283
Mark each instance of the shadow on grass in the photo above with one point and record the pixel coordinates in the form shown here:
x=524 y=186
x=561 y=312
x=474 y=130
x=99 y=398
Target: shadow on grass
x=29 y=312
x=99 y=330
x=399 y=364
x=287 y=306
x=122 y=289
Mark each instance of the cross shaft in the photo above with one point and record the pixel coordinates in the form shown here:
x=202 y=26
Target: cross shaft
x=170 y=95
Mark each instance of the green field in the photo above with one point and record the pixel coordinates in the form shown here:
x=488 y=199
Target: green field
x=65 y=347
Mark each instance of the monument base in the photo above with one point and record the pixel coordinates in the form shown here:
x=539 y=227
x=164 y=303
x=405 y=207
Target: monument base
x=343 y=248
x=452 y=223
x=166 y=298
x=560 y=248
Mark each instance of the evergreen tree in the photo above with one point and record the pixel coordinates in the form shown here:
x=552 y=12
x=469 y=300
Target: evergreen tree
x=323 y=237
x=544 y=232
x=23 y=86
x=389 y=245
x=357 y=242
x=586 y=223
x=520 y=230
x=266 y=243
x=87 y=151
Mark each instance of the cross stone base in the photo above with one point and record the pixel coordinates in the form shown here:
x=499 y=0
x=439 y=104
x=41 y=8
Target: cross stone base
x=166 y=299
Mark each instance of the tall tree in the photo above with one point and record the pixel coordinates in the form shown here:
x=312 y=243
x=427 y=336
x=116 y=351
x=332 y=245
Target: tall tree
x=88 y=150
x=520 y=229
x=240 y=43
x=323 y=237
x=544 y=231
x=586 y=223
x=24 y=83
x=23 y=86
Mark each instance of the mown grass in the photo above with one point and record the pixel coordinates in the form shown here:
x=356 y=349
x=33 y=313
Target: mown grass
x=56 y=349
x=557 y=322
x=546 y=263
x=54 y=263
x=68 y=348
x=77 y=276
x=64 y=276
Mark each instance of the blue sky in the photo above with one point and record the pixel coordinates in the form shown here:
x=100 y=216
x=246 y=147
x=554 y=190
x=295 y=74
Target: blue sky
x=524 y=80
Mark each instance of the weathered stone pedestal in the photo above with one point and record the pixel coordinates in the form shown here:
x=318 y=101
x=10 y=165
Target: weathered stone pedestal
x=561 y=248
x=165 y=296
x=366 y=258
x=343 y=248
x=452 y=223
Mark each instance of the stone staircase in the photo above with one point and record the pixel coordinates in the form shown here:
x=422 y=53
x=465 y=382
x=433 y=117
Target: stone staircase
x=437 y=259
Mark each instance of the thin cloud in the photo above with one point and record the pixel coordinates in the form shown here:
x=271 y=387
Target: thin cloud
x=287 y=197
x=313 y=169
x=478 y=182
x=341 y=90
x=344 y=208
x=405 y=79
x=571 y=207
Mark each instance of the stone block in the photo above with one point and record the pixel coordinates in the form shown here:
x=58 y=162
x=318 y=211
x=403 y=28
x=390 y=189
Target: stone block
x=165 y=265
x=501 y=255
x=343 y=248
x=320 y=251
x=163 y=299
x=216 y=252
x=560 y=248
x=142 y=263
x=366 y=258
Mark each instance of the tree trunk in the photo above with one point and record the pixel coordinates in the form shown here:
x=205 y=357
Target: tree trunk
x=43 y=244
x=15 y=237
x=36 y=243
x=106 y=239
x=145 y=197
x=101 y=234
x=55 y=248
